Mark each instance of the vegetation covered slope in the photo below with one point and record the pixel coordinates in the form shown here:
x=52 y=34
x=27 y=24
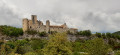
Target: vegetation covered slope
x=10 y=31
x=58 y=44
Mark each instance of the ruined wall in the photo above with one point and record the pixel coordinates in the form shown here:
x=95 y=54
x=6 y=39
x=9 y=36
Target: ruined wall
x=34 y=24
x=25 y=24
x=73 y=30
x=47 y=26
x=42 y=28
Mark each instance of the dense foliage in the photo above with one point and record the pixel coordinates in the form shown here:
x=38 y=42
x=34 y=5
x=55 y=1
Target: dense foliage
x=31 y=32
x=118 y=33
x=34 y=32
x=96 y=47
x=84 y=33
x=11 y=31
x=58 y=43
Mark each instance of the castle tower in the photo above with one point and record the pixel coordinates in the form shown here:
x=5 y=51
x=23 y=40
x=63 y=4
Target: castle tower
x=34 y=19
x=47 y=26
x=64 y=25
x=25 y=24
x=41 y=23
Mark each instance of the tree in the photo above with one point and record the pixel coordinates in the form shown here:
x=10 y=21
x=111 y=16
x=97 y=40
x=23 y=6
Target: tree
x=37 y=43
x=104 y=35
x=87 y=33
x=84 y=33
x=42 y=34
x=31 y=32
x=30 y=53
x=11 y=31
x=96 y=47
x=57 y=45
x=98 y=34
x=109 y=35
x=76 y=46
x=5 y=49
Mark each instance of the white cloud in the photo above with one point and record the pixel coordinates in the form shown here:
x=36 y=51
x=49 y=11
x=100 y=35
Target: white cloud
x=96 y=15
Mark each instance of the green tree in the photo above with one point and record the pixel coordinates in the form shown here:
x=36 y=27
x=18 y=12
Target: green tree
x=104 y=35
x=96 y=47
x=5 y=49
x=31 y=32
x=42 y=34
x=98 y=34
x=21 y=42
x=87 y=33
x=30 y=53
x=37 y=43
x=76 y=46
x=58 y=45
x=109 y=35
x=84 y=33
x=11 y=31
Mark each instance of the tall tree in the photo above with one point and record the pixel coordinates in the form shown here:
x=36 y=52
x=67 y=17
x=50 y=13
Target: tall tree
x=58 y=45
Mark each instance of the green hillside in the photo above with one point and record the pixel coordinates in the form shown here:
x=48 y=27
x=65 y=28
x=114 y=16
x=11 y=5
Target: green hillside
x=10 y=31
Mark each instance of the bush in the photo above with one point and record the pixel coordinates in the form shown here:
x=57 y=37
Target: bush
x=85 y=33
x=21 y=42
x=98 y=34
x=31 y=32
x=42 y=34
x=11 y=44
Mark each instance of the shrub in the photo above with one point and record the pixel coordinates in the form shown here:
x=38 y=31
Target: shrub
x=98 y=34
x=31 y=32
x=42 y=34
x=84 y=33
x=21 y=42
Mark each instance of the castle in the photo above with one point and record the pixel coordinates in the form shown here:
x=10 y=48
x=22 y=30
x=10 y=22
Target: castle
x=34 y=24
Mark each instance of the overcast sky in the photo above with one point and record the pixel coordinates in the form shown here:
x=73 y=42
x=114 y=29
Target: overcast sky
x=95 y=15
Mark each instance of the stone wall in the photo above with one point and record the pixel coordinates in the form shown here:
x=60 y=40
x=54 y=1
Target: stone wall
x=34 y=24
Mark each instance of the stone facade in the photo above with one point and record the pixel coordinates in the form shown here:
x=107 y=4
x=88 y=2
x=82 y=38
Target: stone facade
x=34 y=24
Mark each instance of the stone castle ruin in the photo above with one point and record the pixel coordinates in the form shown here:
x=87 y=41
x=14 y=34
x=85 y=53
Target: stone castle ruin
x=34 y=24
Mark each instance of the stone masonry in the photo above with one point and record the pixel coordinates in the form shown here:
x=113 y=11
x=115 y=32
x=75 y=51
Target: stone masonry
x=34 y=24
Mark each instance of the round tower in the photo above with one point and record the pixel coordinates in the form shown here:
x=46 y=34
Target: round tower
x=25 y=24
x=64 y=25
x=47 y=26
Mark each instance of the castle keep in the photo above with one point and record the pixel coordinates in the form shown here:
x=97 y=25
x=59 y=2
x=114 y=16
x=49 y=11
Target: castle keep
x=34 y=24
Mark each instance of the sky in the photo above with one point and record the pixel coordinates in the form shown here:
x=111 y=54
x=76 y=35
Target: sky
x=94 y=15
